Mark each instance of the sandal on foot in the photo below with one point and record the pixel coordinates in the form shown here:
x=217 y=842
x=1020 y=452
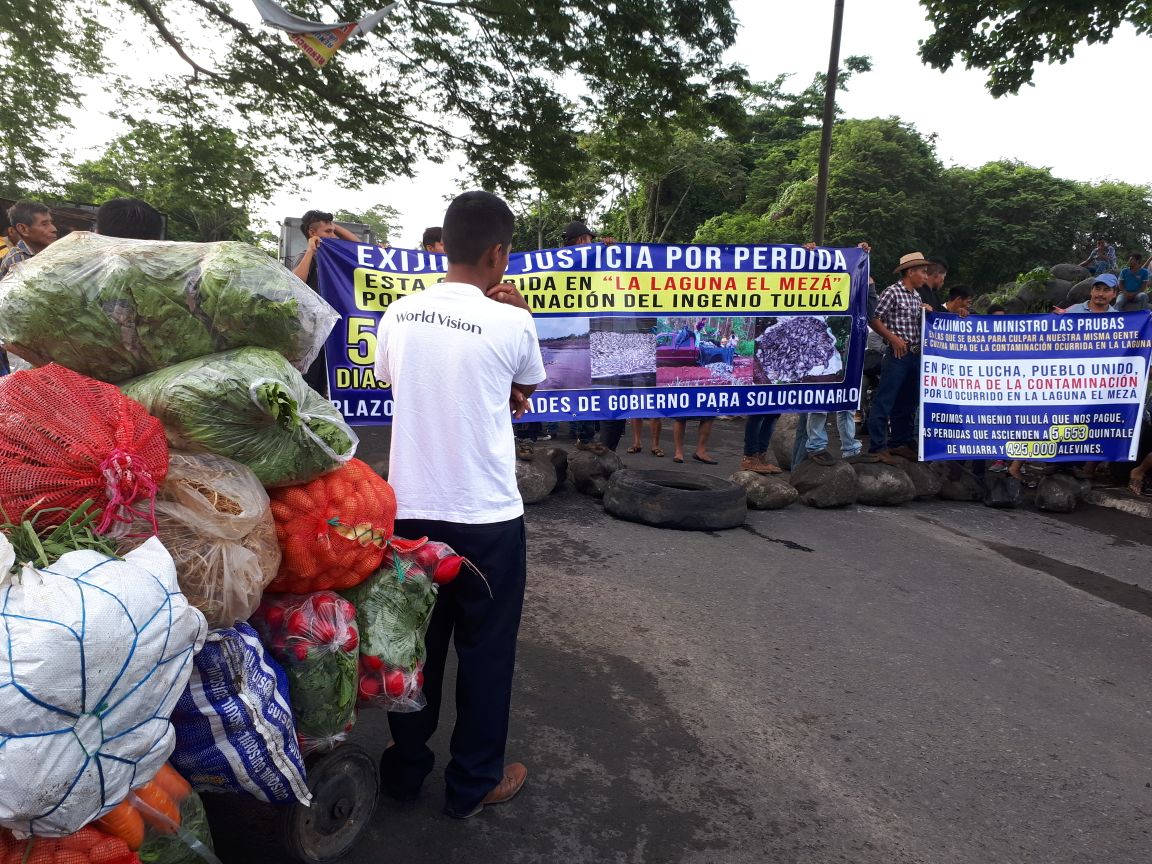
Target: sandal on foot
x=656 y=451
x=1136 y=487
x=635 y=449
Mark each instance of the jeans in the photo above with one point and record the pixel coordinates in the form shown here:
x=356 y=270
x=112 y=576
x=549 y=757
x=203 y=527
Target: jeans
x=894 y=405
x=1138 y=301
x=818 y=432
x=585 y=430
x=758 y=433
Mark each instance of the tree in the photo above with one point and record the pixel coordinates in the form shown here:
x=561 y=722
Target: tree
x=482 y=76
x=383 y=220
x=1009 y=37
x=201 y=176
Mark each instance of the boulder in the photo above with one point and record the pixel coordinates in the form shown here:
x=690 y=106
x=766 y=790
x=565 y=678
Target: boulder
x=1015 y=306
x=535 y=477
x=1059 y=493
x=1056 y=293
x=882 y=485
x=926 y=481
x=957 y=482
x=1080 y=291
x=590 y=472
x=766 y=491
x=558 y=456
x=1032 y=294
x=1069 y=272
x=825 y=486
x=1001 y=490
x=783 y=440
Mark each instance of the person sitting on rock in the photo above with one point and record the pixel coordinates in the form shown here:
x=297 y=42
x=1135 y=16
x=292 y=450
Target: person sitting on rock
x=1133 y=281
x=1101 y=259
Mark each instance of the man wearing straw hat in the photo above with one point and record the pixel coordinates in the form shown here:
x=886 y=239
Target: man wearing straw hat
x=891 y=423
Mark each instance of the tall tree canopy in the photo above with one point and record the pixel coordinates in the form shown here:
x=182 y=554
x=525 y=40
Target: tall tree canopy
x=483 y=76
x=1009 y=37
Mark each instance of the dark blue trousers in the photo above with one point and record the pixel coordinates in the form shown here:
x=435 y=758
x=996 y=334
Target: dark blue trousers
x=484 y=629
x=758 y=432
x=894 y=405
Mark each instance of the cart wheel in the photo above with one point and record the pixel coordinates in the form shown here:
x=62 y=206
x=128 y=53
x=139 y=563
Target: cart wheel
x=344 y=786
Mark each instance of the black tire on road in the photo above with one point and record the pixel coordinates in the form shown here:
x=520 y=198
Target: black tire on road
x=344 y=785
x=675 y=499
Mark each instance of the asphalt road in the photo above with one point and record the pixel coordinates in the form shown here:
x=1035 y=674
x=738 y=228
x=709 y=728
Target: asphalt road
x=932 y=683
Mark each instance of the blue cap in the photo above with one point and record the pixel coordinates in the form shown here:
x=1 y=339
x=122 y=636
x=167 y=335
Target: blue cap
x=1106 y=279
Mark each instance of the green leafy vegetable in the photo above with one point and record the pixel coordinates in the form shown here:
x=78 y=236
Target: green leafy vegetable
x=42 y=546
x=252 y=406
x=113 y=309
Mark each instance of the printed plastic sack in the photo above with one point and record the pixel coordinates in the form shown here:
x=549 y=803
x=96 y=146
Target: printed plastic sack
x=97 y=651
x=163 y=821
x=113 y=308
x=89 y=845
x=65 y=439
x=393 y=609
x=213 y=516
x=252 y=406
x=314 y=638
x=234 y=725
x=333 y=530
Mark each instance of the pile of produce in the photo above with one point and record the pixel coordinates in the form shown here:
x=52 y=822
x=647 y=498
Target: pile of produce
x=113 y=309
x=213 y=516
x=250 y=405
x=89 y=845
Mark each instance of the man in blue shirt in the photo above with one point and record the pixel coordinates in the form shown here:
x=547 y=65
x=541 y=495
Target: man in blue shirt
x=1133 y=281
x=1102 y=298
x=1101 y=259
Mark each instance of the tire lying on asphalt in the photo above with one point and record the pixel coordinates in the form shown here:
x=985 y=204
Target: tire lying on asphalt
x=674 y=499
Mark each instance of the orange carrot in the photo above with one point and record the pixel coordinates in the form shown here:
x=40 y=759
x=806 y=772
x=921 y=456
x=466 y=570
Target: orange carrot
x=157 y=808
x=174 y=784
x=124 y=822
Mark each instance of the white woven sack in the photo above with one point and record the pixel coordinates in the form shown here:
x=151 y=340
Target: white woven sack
x=94 y=653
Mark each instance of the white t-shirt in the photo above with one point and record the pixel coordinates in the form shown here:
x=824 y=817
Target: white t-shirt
x=451 y=355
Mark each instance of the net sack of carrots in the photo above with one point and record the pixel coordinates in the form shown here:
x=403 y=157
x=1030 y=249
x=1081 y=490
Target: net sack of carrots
x=393 y=609
x=333 y=530
x=95 y=654
x=234 y=726
x=213 y=516
x=89 y=845
x=65 y=438
x=314 y=637
x=163 y=822
x=252 y=406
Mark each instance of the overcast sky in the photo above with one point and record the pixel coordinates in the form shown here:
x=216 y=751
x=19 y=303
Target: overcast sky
x=1055 y=123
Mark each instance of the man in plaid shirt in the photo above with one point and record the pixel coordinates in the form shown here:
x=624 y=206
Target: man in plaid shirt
x=891 y=423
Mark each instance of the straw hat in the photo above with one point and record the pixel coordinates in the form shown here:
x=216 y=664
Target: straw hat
x=912 y=259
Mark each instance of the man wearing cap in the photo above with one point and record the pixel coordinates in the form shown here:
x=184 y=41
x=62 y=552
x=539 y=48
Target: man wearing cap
x=1101 y=299
x=576 y=233
x=897 y=319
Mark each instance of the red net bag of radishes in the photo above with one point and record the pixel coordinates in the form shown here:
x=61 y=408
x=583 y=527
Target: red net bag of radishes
x=65 y=439
x=393 y=608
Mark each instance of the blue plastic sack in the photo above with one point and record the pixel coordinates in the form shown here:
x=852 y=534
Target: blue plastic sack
x=234 y=725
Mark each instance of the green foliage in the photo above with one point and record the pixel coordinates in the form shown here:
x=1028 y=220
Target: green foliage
x=383 y=220
x=1009 y=37
x=199 y=174
x=491 y=71
x=1039 y=274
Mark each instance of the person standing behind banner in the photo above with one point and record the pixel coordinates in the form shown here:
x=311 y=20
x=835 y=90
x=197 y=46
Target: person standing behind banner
x=452 y=464
x=433 y=240
x=898 y=317
x=316 y=226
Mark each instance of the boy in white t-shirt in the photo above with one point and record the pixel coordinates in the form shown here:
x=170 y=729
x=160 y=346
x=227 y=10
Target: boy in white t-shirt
x=462 y=358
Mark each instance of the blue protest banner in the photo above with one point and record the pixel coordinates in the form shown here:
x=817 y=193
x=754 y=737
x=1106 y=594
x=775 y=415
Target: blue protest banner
x=1052 y=387
x=636 y=330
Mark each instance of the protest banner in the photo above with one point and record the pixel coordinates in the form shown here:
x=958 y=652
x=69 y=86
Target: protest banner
x=1060 y=388
x=634 y=330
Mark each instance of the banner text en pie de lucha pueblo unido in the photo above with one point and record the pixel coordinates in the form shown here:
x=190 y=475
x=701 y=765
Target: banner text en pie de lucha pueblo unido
x=636 y=330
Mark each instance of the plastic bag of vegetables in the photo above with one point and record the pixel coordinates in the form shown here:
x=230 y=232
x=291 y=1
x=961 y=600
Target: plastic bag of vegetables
x=393 y=609
x=333 y=530
x=96 y=653
x=213 y=517
x=252 y=406
x=314 y=637
x=89 y=845
x=234 y=726
x=65 y=438
x=163 y=821
x=114 y=309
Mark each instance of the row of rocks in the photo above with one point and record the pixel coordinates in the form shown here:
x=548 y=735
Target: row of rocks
x=1069 y=283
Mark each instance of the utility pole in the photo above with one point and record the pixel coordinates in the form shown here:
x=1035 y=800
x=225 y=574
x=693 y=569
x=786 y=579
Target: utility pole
x=829 y=118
